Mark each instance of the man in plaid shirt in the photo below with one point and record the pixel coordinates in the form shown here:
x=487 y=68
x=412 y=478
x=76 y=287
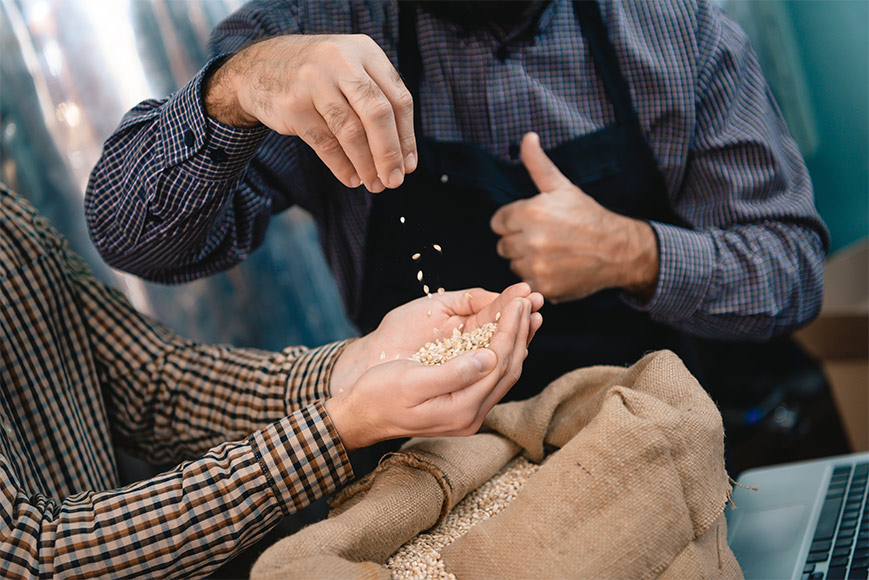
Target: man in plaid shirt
x=257 y=435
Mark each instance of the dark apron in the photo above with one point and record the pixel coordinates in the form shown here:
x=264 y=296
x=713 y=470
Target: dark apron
x=452 y=195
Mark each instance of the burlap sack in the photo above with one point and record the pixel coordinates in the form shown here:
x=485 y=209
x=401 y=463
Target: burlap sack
x=634 y=486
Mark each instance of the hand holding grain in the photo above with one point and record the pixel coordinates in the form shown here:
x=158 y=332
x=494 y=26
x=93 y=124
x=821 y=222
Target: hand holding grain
x=565 y=244
x=403 y=398
x=338 y=93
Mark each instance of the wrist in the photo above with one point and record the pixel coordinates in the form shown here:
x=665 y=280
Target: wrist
x=351 y=363
x=349 y=423
x=220 y=95
x=643 y=266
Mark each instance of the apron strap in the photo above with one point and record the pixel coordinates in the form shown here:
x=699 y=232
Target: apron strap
x=605 y=61
x=409 y=58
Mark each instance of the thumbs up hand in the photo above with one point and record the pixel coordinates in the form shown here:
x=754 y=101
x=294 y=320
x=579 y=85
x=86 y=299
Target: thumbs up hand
x=565 y=244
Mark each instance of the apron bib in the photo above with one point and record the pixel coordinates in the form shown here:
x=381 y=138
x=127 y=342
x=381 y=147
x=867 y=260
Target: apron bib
x=450 y=198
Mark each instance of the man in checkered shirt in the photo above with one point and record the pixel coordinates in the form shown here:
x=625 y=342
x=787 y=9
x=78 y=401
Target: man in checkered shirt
x=255 y=435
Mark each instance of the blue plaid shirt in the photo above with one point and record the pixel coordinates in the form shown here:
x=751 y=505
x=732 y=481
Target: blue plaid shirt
x=177 y=195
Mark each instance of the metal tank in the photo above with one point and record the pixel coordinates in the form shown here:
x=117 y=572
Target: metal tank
x=69 y=70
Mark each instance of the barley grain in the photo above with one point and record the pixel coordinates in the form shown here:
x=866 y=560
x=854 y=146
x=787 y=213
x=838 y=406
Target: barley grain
x=420 y=559
x=439 y=352
x=415 y=257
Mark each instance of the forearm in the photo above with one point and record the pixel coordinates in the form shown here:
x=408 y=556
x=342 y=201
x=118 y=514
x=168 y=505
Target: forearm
x=170 y=398
x=182 y=523
x=752 y=281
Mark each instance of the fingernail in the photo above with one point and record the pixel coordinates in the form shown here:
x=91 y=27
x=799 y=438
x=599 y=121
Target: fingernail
x=355 y=180
x=484 y=360
x=396 y=178
x=409 y=163
x=377 y=186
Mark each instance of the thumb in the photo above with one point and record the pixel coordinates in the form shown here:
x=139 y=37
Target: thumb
x=544 y=173
x=458 y=373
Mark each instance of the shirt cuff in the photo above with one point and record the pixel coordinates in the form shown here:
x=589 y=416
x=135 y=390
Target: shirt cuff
x=302 y=457
x=687 y=260
x=215 y=151
x=310 y=372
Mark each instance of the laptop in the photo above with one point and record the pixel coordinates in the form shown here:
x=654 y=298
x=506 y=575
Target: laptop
x=805 y=520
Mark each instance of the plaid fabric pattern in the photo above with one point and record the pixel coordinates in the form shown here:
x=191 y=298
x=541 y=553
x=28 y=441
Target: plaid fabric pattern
x=177 y=196
x=80 y=369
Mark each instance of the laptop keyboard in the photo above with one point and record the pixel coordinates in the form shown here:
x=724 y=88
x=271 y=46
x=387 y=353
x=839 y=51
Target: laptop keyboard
x=840 y=549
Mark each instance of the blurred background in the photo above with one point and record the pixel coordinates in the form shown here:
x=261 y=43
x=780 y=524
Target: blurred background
x=70 y=69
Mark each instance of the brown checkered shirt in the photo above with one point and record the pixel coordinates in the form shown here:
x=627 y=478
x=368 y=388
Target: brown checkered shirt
x=82 y=371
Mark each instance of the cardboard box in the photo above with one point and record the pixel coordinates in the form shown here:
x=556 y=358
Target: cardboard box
x=839 y=338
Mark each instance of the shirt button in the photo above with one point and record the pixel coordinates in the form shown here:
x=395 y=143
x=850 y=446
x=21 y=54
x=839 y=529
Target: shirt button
x=445 y=178
x=189 y=138
x=218 y=155
x=7 y=426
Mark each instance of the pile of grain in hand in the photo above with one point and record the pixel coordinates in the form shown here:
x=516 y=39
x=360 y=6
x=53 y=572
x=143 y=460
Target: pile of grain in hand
x=437 y=353
x=420 y=559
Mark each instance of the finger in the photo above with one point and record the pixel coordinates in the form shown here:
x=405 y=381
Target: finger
x=544 y=173
x=510 y=246
x=504 y=221
x=515 y=330
x=344 y=147
x=467 y=302
x=536 y=321
x=379 y=129
x=385 y=75
x=484 y=312
x=454 y=375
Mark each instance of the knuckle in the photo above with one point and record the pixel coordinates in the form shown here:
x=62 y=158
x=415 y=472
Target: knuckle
x=538 y=243
x=336 y=116
x=391 y=156
x=321 y=139
x=352 y=131
x=540 y=270
x=379 y=109
x=404 y=100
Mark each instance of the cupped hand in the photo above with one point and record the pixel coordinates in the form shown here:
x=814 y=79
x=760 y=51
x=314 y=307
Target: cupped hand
x=565 y=244
x=403 y=398
x=338 y=93
x=410 y=326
